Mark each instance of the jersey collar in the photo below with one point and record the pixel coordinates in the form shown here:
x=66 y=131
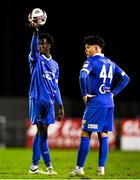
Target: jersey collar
x=99 y=54
x=47 y=58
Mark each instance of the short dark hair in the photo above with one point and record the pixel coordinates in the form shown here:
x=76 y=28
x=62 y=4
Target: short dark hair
x=48 y=37
x=94 y=40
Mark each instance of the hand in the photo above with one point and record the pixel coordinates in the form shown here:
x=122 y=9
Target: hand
x=61 y=113
x=87 y=98
x=33 y=24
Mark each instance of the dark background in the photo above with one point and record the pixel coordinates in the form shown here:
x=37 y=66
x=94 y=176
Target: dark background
x=68 y=22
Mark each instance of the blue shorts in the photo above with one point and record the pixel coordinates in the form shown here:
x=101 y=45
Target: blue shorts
x=41 y=112
x=98 y=119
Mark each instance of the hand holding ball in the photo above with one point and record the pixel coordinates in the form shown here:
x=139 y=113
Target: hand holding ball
x=37 y=17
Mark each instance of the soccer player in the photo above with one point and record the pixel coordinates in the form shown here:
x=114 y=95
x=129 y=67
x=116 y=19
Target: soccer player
x=100 y=80
x=43 y=93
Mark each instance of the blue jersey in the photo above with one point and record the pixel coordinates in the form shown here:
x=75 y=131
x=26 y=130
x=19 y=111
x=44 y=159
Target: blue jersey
x=96 y=78
x=44 y=76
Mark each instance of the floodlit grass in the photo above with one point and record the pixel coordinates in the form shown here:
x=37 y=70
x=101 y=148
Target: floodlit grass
x=15 y=163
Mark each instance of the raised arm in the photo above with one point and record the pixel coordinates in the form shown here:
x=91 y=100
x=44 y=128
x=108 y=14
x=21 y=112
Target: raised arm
x=34 y=45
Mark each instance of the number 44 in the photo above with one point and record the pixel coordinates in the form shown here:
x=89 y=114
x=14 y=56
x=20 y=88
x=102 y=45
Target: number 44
x=105 y=75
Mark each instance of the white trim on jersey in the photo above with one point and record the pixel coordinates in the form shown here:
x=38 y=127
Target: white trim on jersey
x=86 y=70
x=30 y=57
x=49 y=58
x=85 y=65
x=99 y=54
x=123 y=73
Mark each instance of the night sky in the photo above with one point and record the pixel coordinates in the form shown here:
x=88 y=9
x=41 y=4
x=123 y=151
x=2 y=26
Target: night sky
x=69 y=23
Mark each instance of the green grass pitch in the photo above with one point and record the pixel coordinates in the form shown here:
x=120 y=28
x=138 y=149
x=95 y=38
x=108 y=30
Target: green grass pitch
x=15 y=163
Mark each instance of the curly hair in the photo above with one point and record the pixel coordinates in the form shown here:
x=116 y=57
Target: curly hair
x=94 y=40
x=48 y=37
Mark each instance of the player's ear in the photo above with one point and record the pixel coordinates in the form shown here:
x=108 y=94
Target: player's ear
x=96 y=48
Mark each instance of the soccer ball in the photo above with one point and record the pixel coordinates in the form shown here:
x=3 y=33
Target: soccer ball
x=38 y=16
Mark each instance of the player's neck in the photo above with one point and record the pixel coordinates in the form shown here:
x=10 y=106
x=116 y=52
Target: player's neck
x=47 y=56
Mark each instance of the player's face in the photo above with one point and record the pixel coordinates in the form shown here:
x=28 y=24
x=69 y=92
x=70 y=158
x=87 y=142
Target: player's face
x=44 y=46
x=90 y=50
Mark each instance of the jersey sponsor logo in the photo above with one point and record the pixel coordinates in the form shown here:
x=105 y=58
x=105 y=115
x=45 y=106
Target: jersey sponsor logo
x=49 y=75
x=93 y=126
x=101 y=89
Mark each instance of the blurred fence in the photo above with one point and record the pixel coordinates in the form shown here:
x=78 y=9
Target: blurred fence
x=66 y=134
x=3 y=131
x=14 y=113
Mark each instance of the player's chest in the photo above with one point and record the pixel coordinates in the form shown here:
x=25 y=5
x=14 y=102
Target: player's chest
x=48 y=69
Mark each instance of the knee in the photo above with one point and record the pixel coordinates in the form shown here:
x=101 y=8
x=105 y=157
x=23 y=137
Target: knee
x=104 y=134
x=42 y=131
x=85 y=134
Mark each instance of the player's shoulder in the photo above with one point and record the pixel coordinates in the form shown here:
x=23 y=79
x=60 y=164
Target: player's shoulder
x=90 y=59
x=96 y=57
x=111 y=62
x=55 y=62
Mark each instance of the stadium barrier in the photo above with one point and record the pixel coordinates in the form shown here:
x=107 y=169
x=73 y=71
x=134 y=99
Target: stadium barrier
x=130 y=134
x=15 y=110
x=66 y=134
x=3 y=132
